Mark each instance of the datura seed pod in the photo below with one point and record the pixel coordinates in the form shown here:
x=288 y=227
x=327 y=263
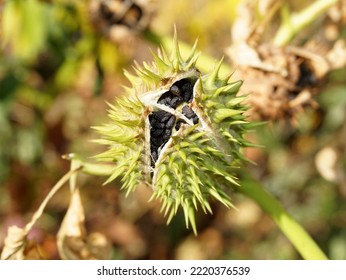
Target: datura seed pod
x=178 y=131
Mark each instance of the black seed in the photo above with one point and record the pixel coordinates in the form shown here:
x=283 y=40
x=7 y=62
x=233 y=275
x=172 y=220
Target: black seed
x=156 y=124
x=156 y=141
x=164 y=100
x=195 y=119
x=187 y=90
x=179 y=92
x=187 y=96
x=188 y=112
x=158 y=115
x=175 y=90
x=166 y=117
x=153 y=148
x=170 y=122
x=178 y=124
x=177 y=100
x=187 y=86
x=156 y=132
x=167 y=134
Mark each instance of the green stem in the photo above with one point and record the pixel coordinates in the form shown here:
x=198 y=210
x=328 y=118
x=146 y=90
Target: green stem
x=300 y=239
x=97 y=169
x=297 y=21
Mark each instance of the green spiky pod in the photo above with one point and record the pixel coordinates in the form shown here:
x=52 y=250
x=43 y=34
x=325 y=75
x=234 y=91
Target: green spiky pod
x=178 y=131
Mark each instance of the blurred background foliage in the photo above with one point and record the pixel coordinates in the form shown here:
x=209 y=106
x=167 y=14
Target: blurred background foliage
x=61 y=60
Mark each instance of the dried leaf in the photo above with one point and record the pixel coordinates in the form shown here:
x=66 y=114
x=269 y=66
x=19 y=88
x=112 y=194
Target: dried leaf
x=72 y=230
x=16 y=239
x=18 y=247
x=15 y=242
x=73 y=242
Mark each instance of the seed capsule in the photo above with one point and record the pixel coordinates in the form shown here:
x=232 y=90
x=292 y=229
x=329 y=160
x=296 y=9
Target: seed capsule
x=185 y=165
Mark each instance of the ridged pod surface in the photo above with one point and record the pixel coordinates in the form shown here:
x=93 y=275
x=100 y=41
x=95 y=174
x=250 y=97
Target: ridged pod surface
x=178 y=131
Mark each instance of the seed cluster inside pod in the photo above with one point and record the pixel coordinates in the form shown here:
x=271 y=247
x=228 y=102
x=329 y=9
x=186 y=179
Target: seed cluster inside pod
x=163 y=123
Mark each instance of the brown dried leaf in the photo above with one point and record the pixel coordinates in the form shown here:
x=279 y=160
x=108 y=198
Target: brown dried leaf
x=93 y=247
x=72 y=231
x=72 y=240
x=18 y=247
x=15 y=242
x=16 y=239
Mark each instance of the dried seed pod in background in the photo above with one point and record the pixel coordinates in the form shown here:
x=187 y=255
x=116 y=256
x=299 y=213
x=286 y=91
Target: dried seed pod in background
x=118 y=19
x=279 y=81
x=282 y=83
x=178 y=131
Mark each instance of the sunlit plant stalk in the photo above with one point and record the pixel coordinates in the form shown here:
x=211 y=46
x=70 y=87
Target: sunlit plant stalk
x=294 y=22
x=299 y=238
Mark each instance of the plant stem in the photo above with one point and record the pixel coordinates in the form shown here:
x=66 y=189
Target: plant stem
x=96 y=169
x=52 y=192
x=297 y=21
x=300 y=239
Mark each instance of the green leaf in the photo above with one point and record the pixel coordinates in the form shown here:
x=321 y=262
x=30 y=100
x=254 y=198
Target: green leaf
x=25 y=27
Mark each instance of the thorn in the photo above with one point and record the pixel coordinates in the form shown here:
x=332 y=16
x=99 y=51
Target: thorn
x=214 y=75
x=176 y=58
